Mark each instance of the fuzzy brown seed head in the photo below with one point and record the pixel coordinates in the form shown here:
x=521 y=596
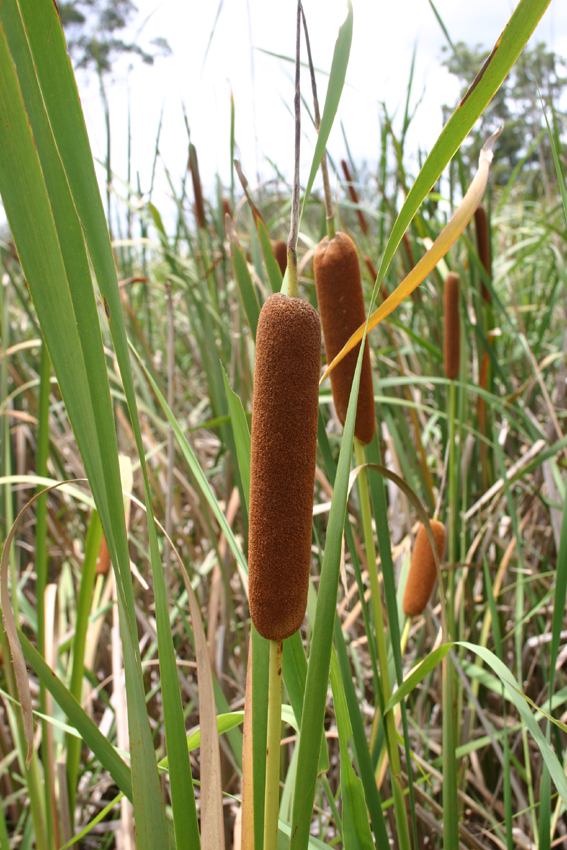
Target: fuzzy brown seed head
x=197 y=190
x=280 y=253
x=452 y=330
x=483 y=246
x=282 y=468
x=422 y=572
x=341 y=304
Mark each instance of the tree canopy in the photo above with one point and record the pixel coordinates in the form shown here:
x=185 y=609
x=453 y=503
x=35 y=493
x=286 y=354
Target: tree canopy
x=96 y=37
x=517 y=107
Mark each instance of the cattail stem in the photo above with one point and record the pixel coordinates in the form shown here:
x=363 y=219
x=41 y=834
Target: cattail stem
x=382 y=650
x=294 y=227
x=452 y=507
x=272 y=798
x=451 y=357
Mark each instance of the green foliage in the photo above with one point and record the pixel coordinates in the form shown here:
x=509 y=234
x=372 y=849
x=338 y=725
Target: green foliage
x=356 y=756
x=516 y=107
x=94 y=28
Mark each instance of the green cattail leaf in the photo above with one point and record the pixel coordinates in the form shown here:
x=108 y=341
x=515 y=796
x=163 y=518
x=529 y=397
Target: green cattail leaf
x=60 y=136
x=334 y=91
x=200 y=476
x=272 y=267
x=513 y=691
x=88 y=575
x=418 y=675
x=556 y=162
x=362 y=754
x=520 y=701
x=241 y=435
x=513 y=39
x=260 y=648
x=87 y=729
x=320 y=656
x=294 y=666
x=356 y=829
x=245 y=286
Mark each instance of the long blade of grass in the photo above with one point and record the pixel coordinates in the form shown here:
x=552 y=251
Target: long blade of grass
x=320 y=656
x=560 y=595
x=200 y=476
x=241 y=435
x=483 y=88
x=60 y=100
x=245 y=286
x=260 y=667
x=481 y=91
x=272 y=267
x=92 y=546
x=514 y=692
x=356 y=829
x=334 y=91
x=88 y=730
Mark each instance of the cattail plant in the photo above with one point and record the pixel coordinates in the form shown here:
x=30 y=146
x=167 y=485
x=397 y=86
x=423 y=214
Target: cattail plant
x=285 y=413
x=423 y=573
x=282 y=477
x=341 y=302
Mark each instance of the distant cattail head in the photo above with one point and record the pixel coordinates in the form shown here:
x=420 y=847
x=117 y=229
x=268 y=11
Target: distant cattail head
x=197 y=190
x=282 y=468
x=483 y=245
x=226 y=209
x=280 y=253
x=422 y=572
x=103 y=560
x=226 y=215
x=452 y=330
x=374 y=274
x=341 y=304
x=354 y=197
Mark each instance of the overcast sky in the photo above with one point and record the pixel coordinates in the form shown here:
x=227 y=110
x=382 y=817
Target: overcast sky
x=384 y=37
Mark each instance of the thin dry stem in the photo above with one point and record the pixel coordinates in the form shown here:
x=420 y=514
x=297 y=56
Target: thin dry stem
x=324 y=169
x=294 y=228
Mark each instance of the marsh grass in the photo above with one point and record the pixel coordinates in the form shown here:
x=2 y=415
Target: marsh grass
x=476 y=761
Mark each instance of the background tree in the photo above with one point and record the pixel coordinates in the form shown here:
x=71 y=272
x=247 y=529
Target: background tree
x=517 y=107
x=94 y=30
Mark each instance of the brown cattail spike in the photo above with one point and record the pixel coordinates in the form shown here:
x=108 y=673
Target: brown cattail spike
x=280 y=253
x=354 y=197
x=422 y=572
x=341 y=304
x=197 y=190
x=483 y=245
x=282 y=468
x=452 y=330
